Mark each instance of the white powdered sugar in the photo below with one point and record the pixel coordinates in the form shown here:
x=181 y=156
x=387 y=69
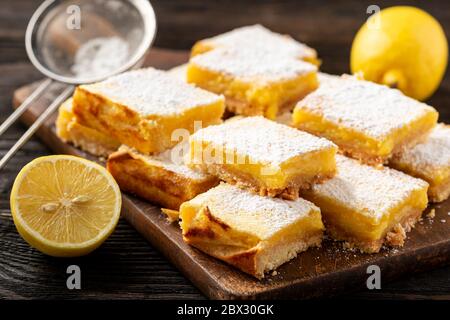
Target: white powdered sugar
x=261 y=140
x=364 y=106
x=430 y=155
x=152 y=92
x=179 y=72
x=260 y=66
x=324 y=77
x=368 y=190
x=248 y=212
x=169 y=161
x=99 y=56
x=257 y=37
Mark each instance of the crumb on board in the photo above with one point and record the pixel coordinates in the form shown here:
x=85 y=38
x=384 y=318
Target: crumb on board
x=431 y=214
x=274 y=272
x=443 y=220
x=171 y=215
x=348 y=246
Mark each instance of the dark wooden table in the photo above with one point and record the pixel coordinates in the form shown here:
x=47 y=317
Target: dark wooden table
x=126 y=266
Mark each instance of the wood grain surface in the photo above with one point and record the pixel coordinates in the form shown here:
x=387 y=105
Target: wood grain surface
x=127 y=266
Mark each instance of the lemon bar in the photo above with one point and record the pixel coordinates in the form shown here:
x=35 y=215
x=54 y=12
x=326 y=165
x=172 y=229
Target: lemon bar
x=367 y=121
x=253 y=82
x=261 y=155
x=368 y=207
x=85 y=138
x=429 y=161
x=253 y=233
x=162 y=179
x=142 y=108
x=257 y=37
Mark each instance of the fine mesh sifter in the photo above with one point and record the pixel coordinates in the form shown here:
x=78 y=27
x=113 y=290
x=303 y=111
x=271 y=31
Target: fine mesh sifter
x=82 y=41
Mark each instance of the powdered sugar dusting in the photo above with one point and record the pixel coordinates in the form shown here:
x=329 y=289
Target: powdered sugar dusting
x=152 y=92
x=324 y=77
x=248 y=212
x=263 y=140
x=253 y=65
x=179 y=72
x=259 y=37
x=100 y=56
x=366 y=189
x=373 y=109
x=430 y=155
x=167 y=161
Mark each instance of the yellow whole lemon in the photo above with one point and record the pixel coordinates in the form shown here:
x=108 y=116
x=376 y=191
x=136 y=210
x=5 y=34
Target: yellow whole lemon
x=402 y=47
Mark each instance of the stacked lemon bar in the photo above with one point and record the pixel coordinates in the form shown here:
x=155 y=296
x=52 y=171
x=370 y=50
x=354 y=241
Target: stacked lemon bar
x=255 y=192
x=379 y=125
x=273 y=160
x=255 y=219
x=370 y=206
x=140 y=110
x=258 y=71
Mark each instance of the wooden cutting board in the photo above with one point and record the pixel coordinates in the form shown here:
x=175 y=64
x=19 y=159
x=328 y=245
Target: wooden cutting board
x=317 y=272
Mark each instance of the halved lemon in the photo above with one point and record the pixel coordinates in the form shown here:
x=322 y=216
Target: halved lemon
x=65 y=206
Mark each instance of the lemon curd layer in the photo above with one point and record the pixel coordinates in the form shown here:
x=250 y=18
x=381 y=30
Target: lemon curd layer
x=262 y=155
x=254 y=233
x=253 y=82
x=142 y=108
x=430 y=161
x=87 y=139
x=367 y=206
x=257 y=37
x=162 y=179
x=368 y=121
